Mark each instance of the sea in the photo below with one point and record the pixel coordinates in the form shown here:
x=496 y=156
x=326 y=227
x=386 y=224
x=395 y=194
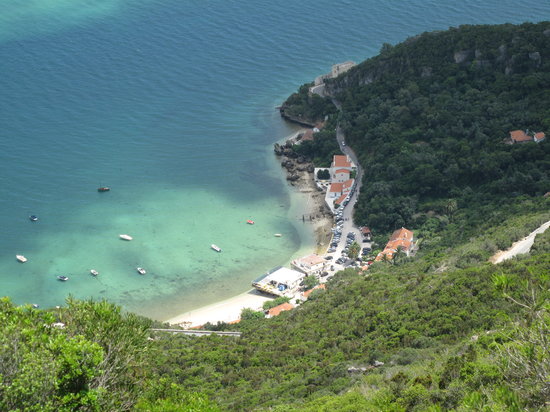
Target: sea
x=172 y=104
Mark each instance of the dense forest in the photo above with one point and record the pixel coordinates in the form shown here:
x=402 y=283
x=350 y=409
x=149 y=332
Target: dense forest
x=429 y=119
x=445 y=330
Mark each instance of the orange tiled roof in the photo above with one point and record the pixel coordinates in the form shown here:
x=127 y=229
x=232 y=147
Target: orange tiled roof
x=401 y=234
x=343 y=171
x=340 y=200
x=399 y=238
x=365 y=230
x=341 y=161
x=276 y=311
x=539 y=136
x=336 y=187
x=520 y=136
x=308 y=292
x=347 y=184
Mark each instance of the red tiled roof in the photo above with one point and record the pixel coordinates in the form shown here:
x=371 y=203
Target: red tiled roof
x=340 y=161
x=539 y=136
x=401 y=234
x=336 y=187
x=520 y=136
x=401 y=238
x=365 y=230
x=343 y=171
x=340 y=200
x=308 y=292
x=347 y=184
x=276 y=311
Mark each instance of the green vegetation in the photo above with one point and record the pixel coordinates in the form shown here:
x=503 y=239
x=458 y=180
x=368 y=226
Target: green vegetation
x=323 y=174
x=443 y=331
x=429 y=132
x=275 y=302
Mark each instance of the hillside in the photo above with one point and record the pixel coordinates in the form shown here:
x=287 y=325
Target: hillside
x=445 y=330
x=429 y=119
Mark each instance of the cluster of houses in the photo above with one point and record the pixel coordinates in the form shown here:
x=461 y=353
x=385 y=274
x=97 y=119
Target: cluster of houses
x=340 y=183
x=520 y=136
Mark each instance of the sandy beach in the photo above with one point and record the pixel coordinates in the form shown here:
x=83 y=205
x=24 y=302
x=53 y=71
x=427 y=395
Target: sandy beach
x=228 y=310
x=315 y=213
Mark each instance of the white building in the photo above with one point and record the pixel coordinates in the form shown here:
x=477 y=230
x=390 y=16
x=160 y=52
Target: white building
x=310 y=265
x=279 y=281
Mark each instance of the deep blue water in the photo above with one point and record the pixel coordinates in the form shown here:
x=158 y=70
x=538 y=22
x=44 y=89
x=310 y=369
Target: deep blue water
x=171 y=103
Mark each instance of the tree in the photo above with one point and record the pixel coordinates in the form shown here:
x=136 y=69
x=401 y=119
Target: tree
x=354 y=250
x=323 y=174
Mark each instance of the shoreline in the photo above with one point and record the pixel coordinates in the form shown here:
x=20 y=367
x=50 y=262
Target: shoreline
x=313 y=211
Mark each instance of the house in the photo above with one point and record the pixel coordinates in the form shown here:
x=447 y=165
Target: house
x=400 y=239
x=341 y=162
x=279 y=281
x=366 y=233
x=276 y=311
x=340 y=175
x=338 y=192
x=340 y=201
x=335 y=190
x=519 y=136
x=311 y=265
x=539 y=137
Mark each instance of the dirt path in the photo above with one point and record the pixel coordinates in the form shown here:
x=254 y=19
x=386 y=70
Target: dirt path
x=519 y=247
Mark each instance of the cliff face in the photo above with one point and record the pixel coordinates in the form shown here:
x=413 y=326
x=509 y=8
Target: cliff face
x=505 y=48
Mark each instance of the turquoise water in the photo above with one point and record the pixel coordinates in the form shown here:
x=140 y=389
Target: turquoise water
x=170 y=103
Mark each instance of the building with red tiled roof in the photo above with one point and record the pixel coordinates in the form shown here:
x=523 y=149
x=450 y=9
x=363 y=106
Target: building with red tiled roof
x=347 y=185
x=340 y=175
x=308 y=292
x=519 y=136
x=341 y=161
x=335 y=189
x=400 y=239
x=276 y=311
x=340 y=200
x=539 y=137
x=310 y=265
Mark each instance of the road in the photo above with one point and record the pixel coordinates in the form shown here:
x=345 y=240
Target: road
x=349 y=225
x=520 y=247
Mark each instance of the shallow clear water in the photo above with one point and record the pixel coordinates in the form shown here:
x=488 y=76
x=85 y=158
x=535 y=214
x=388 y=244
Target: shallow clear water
x=171 y=103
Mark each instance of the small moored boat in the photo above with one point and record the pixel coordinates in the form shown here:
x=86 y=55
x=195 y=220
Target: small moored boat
x=125 y=237
x=141 y=271
x=62 y=278
x=21 y=258
x=94 y=272
x=250 y=222
x=216 y=248
x=103 y=189
x=278 y=235
x=33 y=218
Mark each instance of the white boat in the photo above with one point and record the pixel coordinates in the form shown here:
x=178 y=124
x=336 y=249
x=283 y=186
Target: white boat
x=63 y=278
x=141 y=271
x=278 y=235
x=216 y=248
x=94 y=272
x=125 y=237
x=21 y=258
